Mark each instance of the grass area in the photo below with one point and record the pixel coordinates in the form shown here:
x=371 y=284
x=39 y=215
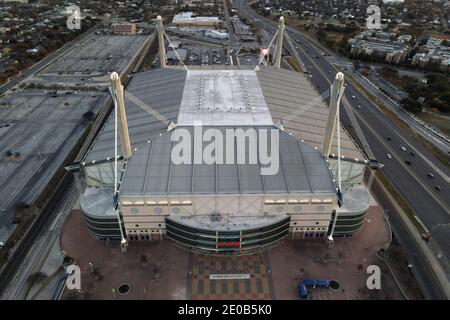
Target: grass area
x=335 y=36
x=438 y=154
x=438 y=120
x=399 y=262
x=395 y=81
x=293 y=22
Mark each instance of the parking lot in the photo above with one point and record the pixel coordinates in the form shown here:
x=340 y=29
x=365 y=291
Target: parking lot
x=206 y=56
x=199 y=53
x=42 y=119
x=250 y=59
x=38 y=130
x=98 y=55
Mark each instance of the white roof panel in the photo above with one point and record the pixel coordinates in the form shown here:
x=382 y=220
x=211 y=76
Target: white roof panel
x=223 y=98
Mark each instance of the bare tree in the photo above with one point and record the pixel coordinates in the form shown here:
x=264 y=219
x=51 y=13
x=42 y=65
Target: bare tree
x=37 y=278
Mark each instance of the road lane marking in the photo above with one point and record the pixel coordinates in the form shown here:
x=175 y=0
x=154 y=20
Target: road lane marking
x=388 y=147
x=394 y=154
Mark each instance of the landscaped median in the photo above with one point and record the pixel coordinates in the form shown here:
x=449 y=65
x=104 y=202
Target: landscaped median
x=415 y=228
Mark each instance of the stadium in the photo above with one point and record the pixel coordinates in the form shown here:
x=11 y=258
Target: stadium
x=223 y=206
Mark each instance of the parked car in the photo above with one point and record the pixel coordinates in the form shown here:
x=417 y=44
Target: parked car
x=389 y=156
x=430 y=175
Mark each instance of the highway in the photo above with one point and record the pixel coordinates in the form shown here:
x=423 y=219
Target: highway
x=437 y=140
x=432 y=206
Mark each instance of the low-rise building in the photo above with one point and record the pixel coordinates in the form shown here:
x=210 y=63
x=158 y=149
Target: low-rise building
x=381 y=45
x=124 y=28
x=216 y=34
x=190 y=19
x=173 y=56
x=433 y=53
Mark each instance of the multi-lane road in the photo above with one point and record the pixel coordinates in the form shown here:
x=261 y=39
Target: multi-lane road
x=408 y=167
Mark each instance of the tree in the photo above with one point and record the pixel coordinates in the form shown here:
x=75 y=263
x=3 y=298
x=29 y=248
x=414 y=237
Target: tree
x=36 y=278
x=445 y=97
x=389 y=71
x=22 y=212
x=441 y=106
x=411 y=105
x=321 y=35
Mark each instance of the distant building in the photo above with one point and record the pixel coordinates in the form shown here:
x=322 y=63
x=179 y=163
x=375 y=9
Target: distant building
x=216 y=34
x=14 y=1
x=433 y=53
x=240 y=28
x=33 y=51
x=381 y=45
x=189 y=19
x=172 y=57
x=124 y=28
x=199 y=3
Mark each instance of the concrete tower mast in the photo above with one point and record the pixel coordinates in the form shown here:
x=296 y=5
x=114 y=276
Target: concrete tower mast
x=337 y=89
x=124 y=136
x=279 y=48
x=162 y=43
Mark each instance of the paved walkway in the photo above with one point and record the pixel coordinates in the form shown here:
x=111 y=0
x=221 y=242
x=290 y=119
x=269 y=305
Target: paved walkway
x=258 y=286
x=170 y=272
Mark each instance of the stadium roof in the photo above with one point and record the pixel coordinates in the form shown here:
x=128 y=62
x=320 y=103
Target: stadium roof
x=283 y=95
x=151 y=171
